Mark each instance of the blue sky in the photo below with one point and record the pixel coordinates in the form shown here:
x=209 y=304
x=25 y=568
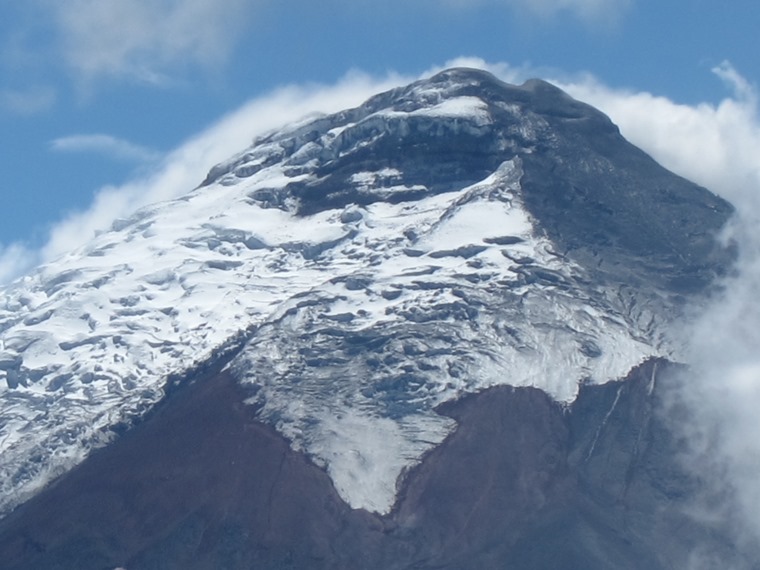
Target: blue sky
x=106 y=105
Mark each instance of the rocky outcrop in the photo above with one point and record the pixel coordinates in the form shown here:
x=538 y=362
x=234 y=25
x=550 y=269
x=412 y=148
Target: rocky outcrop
x=523 y=482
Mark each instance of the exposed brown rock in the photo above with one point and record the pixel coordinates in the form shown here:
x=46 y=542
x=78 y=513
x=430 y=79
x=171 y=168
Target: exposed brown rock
x=522 y=483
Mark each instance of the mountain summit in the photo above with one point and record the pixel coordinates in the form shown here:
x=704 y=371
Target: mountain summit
x=368 y=283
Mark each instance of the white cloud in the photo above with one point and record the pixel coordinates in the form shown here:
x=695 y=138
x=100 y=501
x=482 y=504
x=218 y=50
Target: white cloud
x=16 y=259
x=743 y=89
x=143 y=39
x=107 y=145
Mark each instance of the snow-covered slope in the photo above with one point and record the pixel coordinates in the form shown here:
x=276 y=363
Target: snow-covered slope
x=359 y=269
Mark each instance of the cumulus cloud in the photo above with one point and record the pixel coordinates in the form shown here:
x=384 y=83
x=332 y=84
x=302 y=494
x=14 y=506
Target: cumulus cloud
x=107 y=145
x=142 y=39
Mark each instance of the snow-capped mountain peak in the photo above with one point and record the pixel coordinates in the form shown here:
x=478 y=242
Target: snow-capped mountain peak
x=355 y=271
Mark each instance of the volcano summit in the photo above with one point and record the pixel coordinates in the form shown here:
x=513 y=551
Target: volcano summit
x=421 y=333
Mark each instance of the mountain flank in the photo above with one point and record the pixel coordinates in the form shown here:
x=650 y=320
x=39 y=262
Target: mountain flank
x=524 y=482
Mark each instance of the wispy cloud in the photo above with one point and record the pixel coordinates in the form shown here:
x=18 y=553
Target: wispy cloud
x=107 y=145
x=28 y=101
x=743 y=89
x=590 y=11
x=15 y=259
x=158 y=41
x=145 y=39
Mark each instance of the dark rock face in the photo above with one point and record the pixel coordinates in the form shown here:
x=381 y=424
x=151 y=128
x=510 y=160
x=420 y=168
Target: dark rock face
x=522 y=483
x=608 y=205
x=196 y=485
x=604 y=202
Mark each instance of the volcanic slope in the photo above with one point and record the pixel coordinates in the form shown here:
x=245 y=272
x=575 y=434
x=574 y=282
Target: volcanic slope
x=355 y=272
